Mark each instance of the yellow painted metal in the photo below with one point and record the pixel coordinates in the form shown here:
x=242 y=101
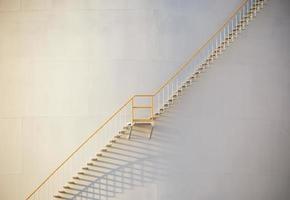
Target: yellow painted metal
x=201 y=48
x=152 y=105
x=142 y=120
x=78 y=148
x=143 y=95
x=135 y=107
x=132 y=110
x=131 y=100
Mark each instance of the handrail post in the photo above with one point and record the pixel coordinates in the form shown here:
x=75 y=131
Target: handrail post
x=132 y=110
x=164 y=94
x=152 y=107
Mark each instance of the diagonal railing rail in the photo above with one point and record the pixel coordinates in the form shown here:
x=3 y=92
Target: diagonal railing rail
x=195 y=61
x=161 y=98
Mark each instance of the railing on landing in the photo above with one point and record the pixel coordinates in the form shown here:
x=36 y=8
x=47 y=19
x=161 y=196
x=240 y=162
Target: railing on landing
x=125 y=114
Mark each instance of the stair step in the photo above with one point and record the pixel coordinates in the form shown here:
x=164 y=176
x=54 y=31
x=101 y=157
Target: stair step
x=231 y=36
x=58 y=197
x=192 y=77
x=243 y=25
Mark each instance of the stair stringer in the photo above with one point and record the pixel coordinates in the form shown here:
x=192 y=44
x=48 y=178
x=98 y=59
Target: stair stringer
x=84 y=185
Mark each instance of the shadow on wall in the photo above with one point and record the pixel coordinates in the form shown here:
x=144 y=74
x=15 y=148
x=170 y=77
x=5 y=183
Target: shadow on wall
x=123 y=166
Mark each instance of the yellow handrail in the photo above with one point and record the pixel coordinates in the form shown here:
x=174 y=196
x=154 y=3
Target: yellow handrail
x=181 y=67
x=80 y=146
x=130 y=100
x=143 y=95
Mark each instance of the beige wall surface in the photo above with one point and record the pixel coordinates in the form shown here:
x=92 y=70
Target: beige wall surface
x=227 y=137
x=228 y=134
x=67 y=64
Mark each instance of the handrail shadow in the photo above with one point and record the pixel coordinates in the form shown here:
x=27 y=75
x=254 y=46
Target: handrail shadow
x=124 y=166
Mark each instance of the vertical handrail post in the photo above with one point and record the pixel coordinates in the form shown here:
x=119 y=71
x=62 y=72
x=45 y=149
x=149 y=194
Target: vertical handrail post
x=132 y=110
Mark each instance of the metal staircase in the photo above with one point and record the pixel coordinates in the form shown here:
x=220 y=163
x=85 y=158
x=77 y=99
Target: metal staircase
x=134 y=113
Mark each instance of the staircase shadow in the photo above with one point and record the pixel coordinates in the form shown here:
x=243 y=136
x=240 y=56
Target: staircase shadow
x=123 y=166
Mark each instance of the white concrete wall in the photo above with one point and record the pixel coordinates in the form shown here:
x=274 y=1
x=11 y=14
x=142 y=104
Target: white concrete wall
x=232 y=128
x=228 y=136
x=67 y=64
